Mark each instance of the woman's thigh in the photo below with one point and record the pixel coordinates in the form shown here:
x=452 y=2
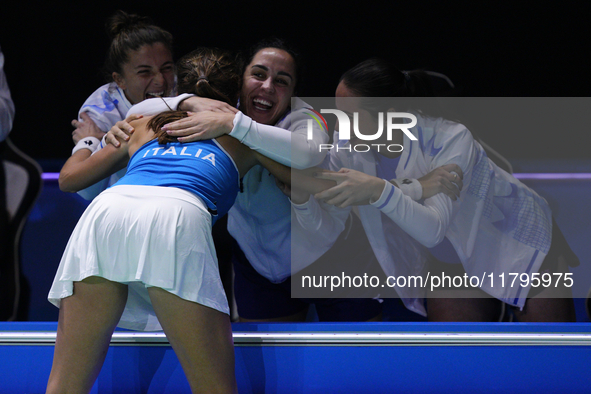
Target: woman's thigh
x=201 y=338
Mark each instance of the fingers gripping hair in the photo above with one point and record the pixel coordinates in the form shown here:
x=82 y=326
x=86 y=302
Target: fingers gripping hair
x=160 y=120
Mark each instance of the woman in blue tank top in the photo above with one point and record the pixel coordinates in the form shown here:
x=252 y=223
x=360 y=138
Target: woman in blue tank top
x=142 y=255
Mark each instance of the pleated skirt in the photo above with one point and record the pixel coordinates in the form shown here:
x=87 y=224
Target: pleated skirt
x=144 y=236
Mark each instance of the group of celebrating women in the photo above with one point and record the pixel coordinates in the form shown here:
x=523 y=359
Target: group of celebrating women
x=164 y=151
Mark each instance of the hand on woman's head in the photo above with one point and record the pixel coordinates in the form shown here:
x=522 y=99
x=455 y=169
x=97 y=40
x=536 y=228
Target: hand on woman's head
x=200 y=104
x=199 y=126
x=121 y=131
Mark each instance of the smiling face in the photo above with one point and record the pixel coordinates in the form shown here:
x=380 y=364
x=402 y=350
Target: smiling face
x=149 y=72
x=268 y=85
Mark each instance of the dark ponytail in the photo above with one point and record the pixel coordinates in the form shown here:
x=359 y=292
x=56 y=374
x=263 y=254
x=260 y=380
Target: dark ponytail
x=377 y=78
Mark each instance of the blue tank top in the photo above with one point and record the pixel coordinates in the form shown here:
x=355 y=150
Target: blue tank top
x=200 y=167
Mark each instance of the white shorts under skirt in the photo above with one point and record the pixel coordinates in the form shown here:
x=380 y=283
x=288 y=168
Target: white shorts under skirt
x=144 y=236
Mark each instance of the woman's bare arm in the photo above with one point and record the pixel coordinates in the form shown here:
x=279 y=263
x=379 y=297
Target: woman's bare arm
x=302 y=180
x=84 y=169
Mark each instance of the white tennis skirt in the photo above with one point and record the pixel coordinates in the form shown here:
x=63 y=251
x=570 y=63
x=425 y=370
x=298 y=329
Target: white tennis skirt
x=144 y=236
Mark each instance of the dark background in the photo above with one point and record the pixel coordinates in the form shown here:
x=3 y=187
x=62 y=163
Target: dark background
x=54 y=53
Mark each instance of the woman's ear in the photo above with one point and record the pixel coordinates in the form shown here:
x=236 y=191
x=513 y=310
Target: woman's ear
x=119 y=80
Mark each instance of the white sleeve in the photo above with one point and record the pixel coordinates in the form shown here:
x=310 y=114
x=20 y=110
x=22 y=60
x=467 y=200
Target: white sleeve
x=455 y=145
x=154 y=106
x=6 y=104
x=290 y=146
x=322 y=222
x=102 y=108
x=409 y=187
x=426 y=223
x=334 y=162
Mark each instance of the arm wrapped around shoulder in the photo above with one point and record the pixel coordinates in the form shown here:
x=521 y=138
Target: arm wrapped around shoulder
x=289 y=146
